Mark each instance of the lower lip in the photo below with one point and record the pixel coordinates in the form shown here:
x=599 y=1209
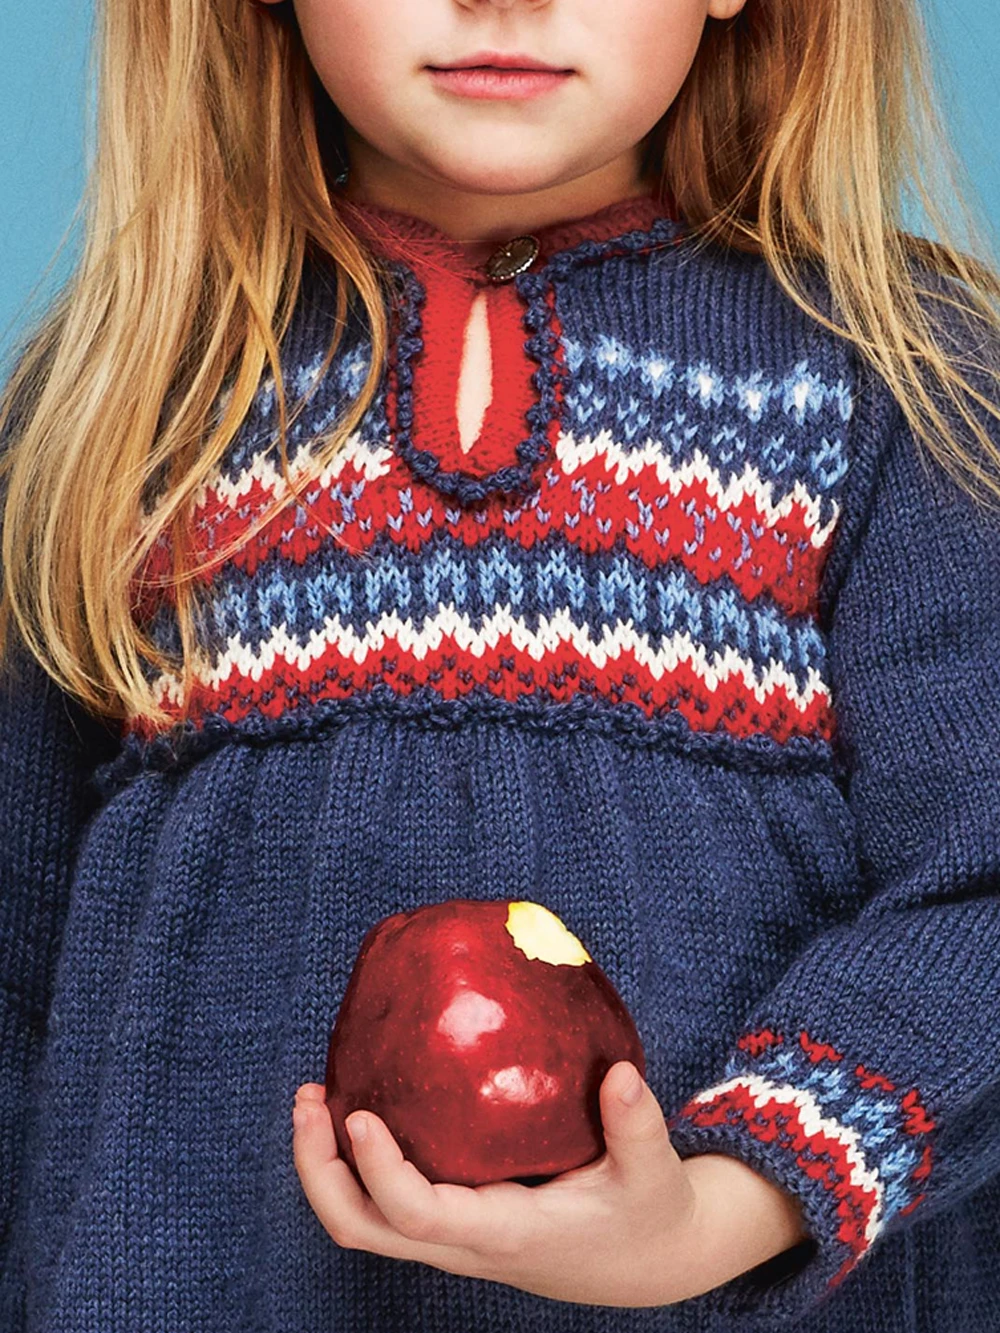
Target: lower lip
x=499 y=83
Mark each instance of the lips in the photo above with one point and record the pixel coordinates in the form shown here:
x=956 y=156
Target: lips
x=502 y=69
x=504 y=84
x=501 y=60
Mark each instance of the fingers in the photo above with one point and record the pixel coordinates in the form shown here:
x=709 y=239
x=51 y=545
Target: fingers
x=406 y=1198
x=403 y=1214
x=328 y=1182
x=635 y=1131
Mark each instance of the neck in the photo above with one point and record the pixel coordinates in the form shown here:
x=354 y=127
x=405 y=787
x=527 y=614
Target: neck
x=477 y=221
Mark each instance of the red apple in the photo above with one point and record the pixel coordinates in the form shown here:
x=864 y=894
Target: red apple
x=480 y=1032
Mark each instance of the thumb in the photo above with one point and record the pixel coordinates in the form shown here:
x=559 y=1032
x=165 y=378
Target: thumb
x=635 y=1130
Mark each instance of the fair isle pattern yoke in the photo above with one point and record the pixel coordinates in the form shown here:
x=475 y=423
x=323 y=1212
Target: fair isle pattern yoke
x=665 y=565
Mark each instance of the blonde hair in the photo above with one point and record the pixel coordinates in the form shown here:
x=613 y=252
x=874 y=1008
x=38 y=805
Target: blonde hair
x=211 y=181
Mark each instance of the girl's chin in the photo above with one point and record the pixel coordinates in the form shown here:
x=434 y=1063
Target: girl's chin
x=502 y=178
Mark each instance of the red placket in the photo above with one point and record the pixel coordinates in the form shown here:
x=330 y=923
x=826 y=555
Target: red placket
x=452 y=283
x=435 y=386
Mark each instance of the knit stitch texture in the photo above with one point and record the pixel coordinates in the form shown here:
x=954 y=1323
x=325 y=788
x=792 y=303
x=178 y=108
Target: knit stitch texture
x=691 y=646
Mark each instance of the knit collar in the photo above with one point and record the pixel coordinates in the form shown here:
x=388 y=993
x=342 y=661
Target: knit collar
x=398 y=235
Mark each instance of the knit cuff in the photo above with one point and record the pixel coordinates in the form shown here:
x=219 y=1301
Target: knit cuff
x=849 y=1144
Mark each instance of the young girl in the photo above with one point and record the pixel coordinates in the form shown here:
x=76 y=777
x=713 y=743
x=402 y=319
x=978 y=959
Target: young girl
x=566 y=481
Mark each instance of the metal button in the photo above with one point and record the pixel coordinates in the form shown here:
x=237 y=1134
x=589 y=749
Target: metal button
x=512 y=258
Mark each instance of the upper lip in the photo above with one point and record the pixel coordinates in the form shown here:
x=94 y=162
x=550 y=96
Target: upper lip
x=500 y=60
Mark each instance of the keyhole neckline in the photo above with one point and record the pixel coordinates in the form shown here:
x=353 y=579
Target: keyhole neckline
x=432 y=275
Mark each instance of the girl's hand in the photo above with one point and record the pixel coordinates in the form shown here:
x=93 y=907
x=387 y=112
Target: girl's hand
x=625 y=1230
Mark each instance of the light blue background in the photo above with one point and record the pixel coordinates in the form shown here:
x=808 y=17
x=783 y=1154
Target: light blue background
x=43 y=83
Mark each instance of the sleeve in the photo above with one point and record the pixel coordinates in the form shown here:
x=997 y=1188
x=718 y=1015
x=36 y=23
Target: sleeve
x=48 y=750
x=867 y=1082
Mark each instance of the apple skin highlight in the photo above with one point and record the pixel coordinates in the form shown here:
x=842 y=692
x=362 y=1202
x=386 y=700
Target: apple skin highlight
x=480 y=1032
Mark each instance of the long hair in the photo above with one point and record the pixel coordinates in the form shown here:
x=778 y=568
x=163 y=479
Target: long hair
x=800 y=133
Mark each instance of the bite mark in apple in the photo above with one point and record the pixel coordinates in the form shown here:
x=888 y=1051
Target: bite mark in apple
x=539 y=933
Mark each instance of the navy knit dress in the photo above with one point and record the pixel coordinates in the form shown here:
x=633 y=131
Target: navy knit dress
x=691 y=647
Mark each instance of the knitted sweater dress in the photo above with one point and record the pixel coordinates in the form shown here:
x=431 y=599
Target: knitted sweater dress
x=690 y=646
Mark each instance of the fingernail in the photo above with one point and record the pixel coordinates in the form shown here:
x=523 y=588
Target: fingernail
x=632 y=1092
x=357 y=1127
